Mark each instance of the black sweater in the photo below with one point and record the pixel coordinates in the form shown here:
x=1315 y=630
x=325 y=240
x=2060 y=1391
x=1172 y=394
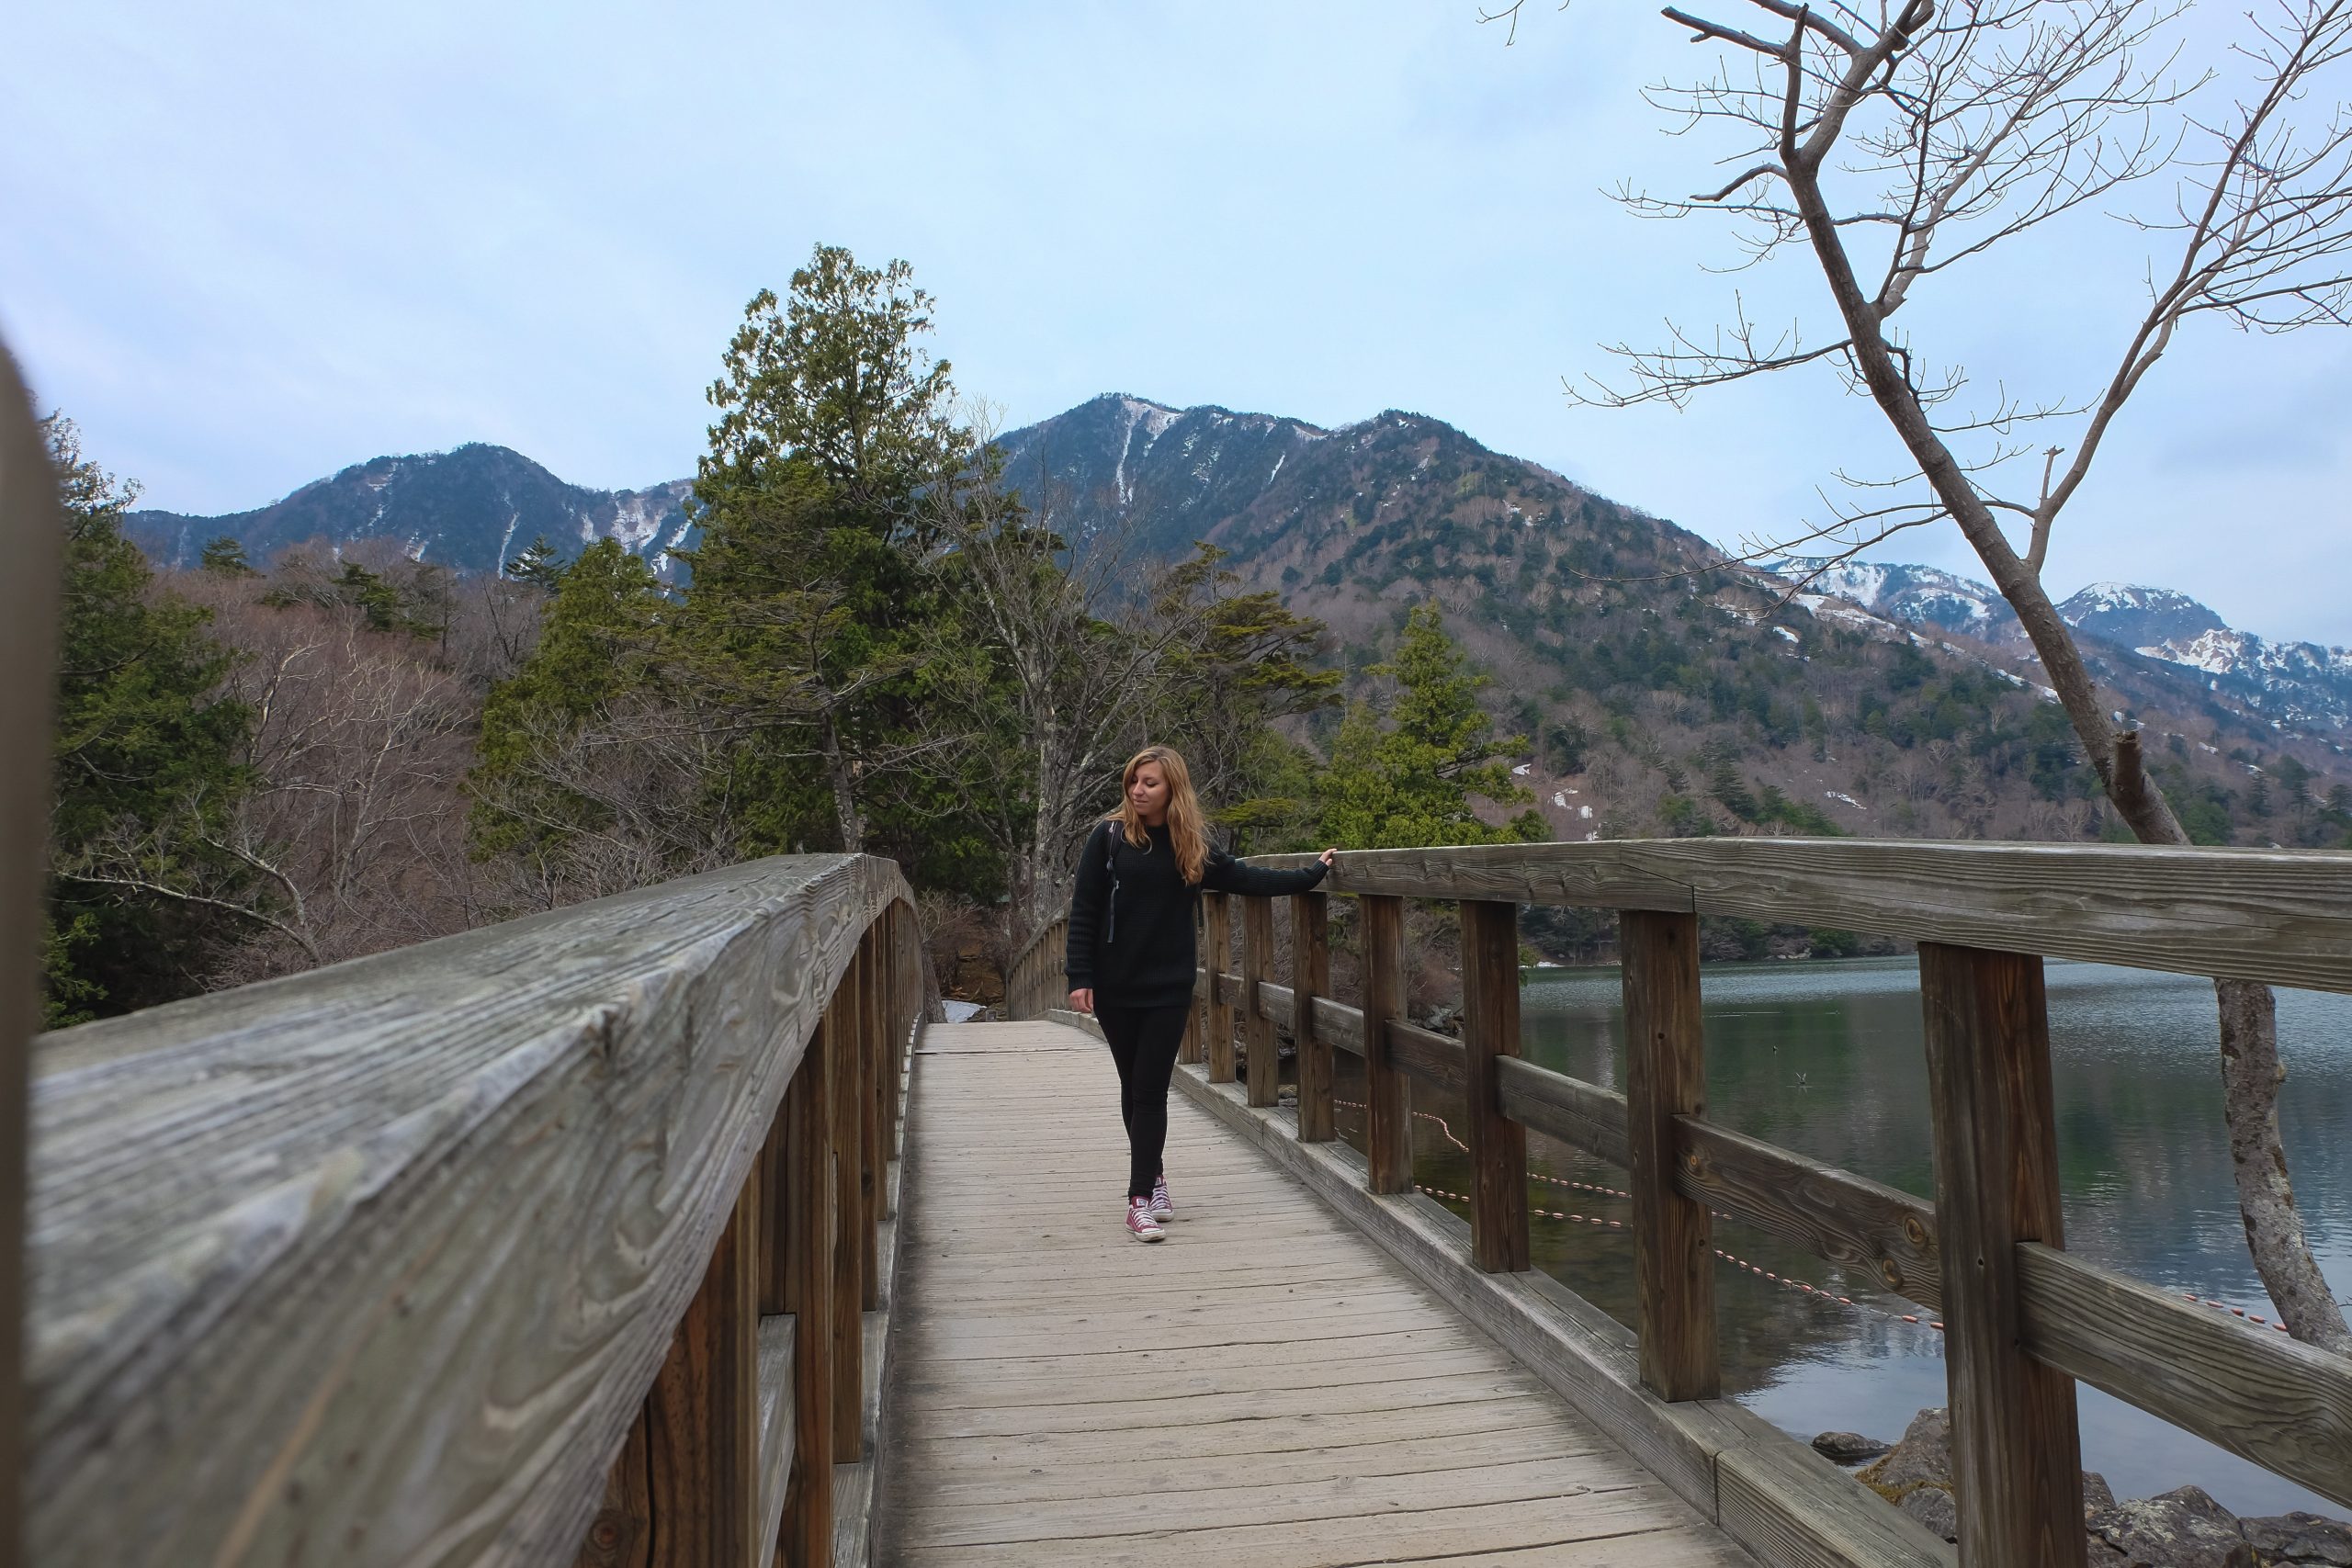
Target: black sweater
x=1131 y=915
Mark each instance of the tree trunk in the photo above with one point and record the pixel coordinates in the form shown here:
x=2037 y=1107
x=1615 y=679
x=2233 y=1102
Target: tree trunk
x=2248 y=1019
x=2251 y=1074
x=846 y=816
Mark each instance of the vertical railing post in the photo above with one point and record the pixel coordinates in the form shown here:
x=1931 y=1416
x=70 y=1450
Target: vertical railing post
x=1674 y=1264
x=1257 y=968
x=2017 y=1451
x=685 y=1490
x=1389 y=1125
x=1489 y=1029
x=31 y=535
x=1310 y=966
x=1195 y=1047
x=872 y=1036
x=1216 y=951
x=803 y=1283
x=846 y=1133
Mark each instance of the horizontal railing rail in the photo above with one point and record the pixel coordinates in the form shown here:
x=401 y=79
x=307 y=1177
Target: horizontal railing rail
x=529 y=1244
x=2024 y=1316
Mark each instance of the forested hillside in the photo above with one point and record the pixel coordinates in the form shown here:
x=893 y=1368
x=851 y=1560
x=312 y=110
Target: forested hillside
x=300 y=741
x=1665 y=688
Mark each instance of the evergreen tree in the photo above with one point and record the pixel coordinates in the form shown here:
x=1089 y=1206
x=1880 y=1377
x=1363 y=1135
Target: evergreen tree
x=818 y=560
x=147 y=768
x=552 y=736
x=1244 y=666
x=1408 y=783
x=538 y=565
x=225 y=557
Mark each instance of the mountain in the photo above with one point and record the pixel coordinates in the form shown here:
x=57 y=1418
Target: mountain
x=472 y=509
x=1660 y=687
x=2127 y=627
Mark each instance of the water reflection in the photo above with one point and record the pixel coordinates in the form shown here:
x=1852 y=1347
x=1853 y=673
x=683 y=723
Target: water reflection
x=1826 y=1059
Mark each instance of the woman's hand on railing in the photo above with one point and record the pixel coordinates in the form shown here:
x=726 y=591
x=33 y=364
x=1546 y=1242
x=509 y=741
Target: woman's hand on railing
x=1082 y=998
x=1326 y=856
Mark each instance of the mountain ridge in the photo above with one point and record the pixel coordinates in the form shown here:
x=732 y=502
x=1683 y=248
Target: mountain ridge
x=1665 y=687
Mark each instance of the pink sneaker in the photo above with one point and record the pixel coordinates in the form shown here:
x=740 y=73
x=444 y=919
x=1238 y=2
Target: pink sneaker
x=1140 y=1224
x=1163 y=1207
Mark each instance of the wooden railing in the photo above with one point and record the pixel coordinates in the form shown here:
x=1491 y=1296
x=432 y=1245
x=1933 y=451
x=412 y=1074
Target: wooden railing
x=2024 y=1318
x=556 y=1241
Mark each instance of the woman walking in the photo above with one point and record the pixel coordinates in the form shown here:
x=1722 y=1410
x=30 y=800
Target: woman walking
x=1131 y=954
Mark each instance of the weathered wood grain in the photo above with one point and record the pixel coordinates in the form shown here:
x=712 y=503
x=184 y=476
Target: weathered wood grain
x=31 y=533
x=779 y=1349
x=2285 y=1405
x=1666 y=1077
x=1216 y=951
x=1436 y=1059
x=1846 y=1219
x=621 y=1535
x=274 y=1216
x=702 y=1415
x=1277 y=1433
x=2283 y=916
x=1310 y=958
x=843 y=1135
x=806 y=1537
x=1490 y=1033
x=1585 y=1115
x=1257 y=967
x=1789 y=1505
x=2016 y=1455
x=872 y=1035
x=1788 y=1512
x=1389 y=1106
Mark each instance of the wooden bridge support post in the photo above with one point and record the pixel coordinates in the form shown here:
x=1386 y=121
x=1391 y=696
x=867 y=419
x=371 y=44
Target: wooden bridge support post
x=1193 y=1050
x=1674 y=1263
x=29 y=530
x=685 y=1491
x=1310 y=966
x=845 y=1132
x=1491 y=1028
x=1216 y=947
x=873 y=1046
x=1256 y=1024
x=2016 y=1450
x=894 y=1020
x=801 y=1280
x=1388 y=1123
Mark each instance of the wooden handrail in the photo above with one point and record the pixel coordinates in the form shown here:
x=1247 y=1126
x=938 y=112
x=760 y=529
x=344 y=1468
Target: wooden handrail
x=386 y=1262
x=2280 y=916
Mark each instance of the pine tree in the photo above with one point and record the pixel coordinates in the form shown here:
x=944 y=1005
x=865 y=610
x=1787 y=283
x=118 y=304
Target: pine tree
x=817 y=554
x=225 y=557
x=539 y=565
x=1410 y=782
x=536 y=788
x=147 y=759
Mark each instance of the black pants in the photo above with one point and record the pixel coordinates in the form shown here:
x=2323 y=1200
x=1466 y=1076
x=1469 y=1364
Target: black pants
x=1144 y=1041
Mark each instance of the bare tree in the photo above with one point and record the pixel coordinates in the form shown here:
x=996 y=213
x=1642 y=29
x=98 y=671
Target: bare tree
x=1893 y=143
x=1053 y=681
x=347 y=836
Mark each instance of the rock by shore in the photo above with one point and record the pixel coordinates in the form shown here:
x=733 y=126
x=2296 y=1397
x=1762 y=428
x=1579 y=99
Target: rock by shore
x=2182 y=1528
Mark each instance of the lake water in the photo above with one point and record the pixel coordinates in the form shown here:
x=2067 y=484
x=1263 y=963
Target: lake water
x=1827 y=1058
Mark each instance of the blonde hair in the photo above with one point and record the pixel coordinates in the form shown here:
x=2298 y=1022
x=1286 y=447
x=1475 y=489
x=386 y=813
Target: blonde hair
x=1187 y=830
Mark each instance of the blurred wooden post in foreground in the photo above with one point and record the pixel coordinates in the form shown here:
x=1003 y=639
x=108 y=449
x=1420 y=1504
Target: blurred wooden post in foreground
x=29 y=535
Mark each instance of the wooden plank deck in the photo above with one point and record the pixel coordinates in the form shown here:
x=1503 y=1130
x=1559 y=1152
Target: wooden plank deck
x=1264 y=1387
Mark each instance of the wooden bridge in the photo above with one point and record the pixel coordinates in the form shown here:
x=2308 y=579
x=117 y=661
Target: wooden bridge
x=674 y=1230
x=665 y=1230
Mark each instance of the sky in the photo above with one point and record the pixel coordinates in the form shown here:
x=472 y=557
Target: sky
x=246 y=245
